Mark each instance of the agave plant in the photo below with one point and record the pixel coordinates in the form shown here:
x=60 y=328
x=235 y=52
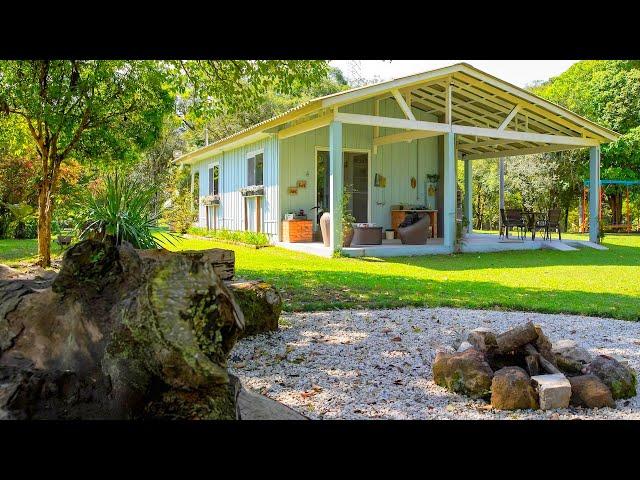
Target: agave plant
x=123 y=211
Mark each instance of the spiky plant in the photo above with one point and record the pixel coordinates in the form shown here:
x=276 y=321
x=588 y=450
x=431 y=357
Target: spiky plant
x=123 y=211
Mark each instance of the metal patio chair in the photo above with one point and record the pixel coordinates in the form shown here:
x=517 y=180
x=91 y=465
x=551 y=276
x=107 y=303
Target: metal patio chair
x=512 y=218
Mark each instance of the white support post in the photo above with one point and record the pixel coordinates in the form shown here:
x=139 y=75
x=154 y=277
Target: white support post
x=501 y=182
x=449 y=220
x=336 y=180
x=594 y=193
x=468 y=194
x=192 y=188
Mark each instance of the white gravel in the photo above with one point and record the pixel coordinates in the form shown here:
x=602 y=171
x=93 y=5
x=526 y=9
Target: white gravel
x=375 y=364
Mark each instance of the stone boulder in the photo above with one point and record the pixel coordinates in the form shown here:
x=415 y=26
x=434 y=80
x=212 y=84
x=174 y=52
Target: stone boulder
x=554 y=390
x=483 y=340
x=570 y=356
x=620 y=378
x=465 y=372
x=511 y=390
x=589 y=391
x=261 y=304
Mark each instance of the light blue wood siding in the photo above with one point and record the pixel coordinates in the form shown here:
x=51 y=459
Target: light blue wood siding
x=233 y=175
x=398 y=162
x=292 y=159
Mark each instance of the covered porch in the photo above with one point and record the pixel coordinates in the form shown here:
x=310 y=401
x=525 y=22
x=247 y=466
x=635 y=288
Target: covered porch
x=478 y=117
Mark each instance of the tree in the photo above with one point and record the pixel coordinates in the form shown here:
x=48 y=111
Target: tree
x=607 y=92
x=98 y=110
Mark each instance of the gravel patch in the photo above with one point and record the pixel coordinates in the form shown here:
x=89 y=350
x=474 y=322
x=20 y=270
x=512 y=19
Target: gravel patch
x=376 y=364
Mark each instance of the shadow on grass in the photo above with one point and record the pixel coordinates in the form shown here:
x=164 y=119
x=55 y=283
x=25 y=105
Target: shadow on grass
x=326 y=290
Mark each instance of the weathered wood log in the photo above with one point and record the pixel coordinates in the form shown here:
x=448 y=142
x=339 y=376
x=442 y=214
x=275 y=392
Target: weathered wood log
x=119 y=336
x=516 y=337
x=544 y=363
x=260 y=303
x=222 y=260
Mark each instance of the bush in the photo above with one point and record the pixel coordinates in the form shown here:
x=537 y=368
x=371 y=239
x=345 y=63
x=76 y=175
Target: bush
x=123 y=211
x=180 y=215
x=249 y=238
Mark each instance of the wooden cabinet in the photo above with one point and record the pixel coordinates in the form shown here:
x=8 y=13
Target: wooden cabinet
x=297 y=231
x=397 y=216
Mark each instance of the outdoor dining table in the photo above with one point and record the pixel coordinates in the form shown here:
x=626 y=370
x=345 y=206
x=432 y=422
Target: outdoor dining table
x=535 y=220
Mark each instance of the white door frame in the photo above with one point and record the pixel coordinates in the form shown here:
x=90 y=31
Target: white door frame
x=344 y=150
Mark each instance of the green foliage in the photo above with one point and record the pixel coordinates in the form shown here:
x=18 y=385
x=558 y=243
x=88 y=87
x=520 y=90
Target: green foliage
x=258 y=239
x=347 y=216
x=180 y=215
x=212 y=88
x=122 y=211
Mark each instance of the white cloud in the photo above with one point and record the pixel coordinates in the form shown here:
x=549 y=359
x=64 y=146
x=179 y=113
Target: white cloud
x=518 y=72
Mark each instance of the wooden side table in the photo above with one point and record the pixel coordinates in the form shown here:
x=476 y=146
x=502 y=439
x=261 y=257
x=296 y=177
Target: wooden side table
x=297 y=231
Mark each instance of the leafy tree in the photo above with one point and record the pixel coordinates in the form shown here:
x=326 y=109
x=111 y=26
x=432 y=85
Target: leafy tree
x=84 y=110
x=607 y=92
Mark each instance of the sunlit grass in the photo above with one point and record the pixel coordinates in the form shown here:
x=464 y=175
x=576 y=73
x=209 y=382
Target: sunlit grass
x=586 y=281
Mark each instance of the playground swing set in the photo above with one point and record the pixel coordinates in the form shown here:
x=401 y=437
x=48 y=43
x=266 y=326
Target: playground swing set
x=584 y=224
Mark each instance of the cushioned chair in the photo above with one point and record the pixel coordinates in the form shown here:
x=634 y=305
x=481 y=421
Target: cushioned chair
x=416 y=233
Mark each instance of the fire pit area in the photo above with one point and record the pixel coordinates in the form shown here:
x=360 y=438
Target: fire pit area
x=520 y=368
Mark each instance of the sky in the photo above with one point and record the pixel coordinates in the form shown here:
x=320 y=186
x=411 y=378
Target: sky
x=517 y=72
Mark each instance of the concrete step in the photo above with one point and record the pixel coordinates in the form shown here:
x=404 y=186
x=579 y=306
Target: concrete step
x=558 y=245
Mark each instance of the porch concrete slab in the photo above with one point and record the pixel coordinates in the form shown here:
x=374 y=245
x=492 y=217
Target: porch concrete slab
x=313 y=248
x=586 y=243
x=558 y=245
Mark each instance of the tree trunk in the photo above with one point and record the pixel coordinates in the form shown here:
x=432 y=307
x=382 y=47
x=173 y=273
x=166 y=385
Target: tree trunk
x=45 y=210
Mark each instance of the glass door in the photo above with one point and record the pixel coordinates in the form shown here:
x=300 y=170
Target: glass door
x=356 y=179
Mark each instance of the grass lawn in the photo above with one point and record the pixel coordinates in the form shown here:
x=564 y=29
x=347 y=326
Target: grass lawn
x=590 y=282
x=17 y=252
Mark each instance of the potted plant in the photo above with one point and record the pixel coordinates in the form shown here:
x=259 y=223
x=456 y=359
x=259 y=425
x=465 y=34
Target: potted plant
x=252 y=191
x=347 y=219
x=209 y=200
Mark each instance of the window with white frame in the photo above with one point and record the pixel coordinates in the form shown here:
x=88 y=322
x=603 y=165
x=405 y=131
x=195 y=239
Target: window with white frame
x=214 y=180
x=255 y=169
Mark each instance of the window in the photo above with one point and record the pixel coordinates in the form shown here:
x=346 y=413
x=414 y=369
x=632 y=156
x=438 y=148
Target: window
x=255 y=168
x=214 y=180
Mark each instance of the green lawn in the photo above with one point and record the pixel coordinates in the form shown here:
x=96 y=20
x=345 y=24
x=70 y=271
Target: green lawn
x=17 y=252
x=587 y=281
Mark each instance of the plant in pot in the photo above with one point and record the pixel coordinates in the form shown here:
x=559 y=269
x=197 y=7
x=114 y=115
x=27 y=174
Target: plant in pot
x=347 y=218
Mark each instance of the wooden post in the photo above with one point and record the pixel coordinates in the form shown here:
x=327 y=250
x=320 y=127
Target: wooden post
x=449 y=221
x=336 y=180
x=468 y=194
x=206 y=214
x=628 y=212
x=583 y=213
x=258 y=220
x=594 y=193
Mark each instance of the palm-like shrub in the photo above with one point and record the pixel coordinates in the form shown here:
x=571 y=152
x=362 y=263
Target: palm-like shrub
x=122 y=210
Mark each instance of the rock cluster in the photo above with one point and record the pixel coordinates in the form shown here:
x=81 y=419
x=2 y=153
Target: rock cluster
x=522 y=369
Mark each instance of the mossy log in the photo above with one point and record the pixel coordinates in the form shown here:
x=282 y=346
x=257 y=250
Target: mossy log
x=119 y=336
x=261 y=304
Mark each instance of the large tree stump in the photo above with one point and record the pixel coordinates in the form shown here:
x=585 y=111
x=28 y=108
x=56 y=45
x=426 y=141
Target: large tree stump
x=119 y=336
